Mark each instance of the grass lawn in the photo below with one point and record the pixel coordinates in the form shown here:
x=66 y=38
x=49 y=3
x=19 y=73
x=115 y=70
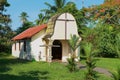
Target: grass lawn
x=16 y=69
x=110 y=64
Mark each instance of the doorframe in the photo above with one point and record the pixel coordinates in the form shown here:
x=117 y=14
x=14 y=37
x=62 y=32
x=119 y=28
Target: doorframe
x=60 y=46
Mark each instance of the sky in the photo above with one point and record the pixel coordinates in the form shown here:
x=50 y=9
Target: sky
x=34 y=7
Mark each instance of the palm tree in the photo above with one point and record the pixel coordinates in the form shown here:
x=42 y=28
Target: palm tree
x=58 y=4
x=90 y=62
x=74 y=43
x=41 y=19
x=24 y=17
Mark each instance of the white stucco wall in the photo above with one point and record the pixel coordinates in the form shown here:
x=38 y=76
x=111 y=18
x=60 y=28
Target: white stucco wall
x=36 y=50
x=65 y=50
x=16 y=52
x=32 y=47
x=61 y=29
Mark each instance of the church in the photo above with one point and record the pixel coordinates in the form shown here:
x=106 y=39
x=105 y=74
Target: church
x=47 y=42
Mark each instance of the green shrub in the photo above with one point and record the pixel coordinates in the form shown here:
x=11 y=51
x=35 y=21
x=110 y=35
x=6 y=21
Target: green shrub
x=90 y=62
x=116 y=75
x=71 y=64
x=74 y=43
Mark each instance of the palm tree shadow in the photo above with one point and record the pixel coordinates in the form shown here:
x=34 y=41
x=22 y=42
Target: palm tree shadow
x=32 y=75
x=5 y=62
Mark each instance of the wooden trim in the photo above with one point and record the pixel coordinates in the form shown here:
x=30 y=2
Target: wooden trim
x=24 y=45
x=15 y=46
x=65 y=27
x=19 y=45
x=65 y=20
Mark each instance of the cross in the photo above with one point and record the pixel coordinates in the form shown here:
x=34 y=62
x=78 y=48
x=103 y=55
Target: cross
x=49 y=46
x=66 y=20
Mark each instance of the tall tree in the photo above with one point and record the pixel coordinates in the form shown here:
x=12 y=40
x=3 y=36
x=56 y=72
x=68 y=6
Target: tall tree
x=58 y=4
x=5 y=30
x=25 y=23
x=24 y=17
x=42 y=19
x=108 y=12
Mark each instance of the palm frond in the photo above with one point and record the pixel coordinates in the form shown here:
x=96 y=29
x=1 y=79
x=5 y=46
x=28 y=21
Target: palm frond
x=49 y=5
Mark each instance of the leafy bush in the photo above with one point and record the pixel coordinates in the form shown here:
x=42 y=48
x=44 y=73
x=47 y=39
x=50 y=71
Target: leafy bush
x=74 y=43
x=71 y=64
x=104 y=37
x=116 y=75
x=90 y=62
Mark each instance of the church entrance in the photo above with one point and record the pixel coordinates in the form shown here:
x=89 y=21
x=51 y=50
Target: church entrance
x=57 y=51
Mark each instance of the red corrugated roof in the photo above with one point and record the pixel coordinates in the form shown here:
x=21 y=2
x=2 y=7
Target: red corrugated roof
x=29 y=32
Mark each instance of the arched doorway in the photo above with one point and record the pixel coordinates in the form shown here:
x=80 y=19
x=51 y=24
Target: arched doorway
x=57 y=51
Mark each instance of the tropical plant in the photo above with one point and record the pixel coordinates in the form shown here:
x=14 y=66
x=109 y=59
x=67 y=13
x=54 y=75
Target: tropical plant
x=52 y=9
x=116 y=75
x=25 y=23
x=90 y=62
x=74 y=43
x=58 y=4
x=117 y=44
x=24 y=26
x=105 y=40
x=23 y=16
x=103 y=37
x=42 y=19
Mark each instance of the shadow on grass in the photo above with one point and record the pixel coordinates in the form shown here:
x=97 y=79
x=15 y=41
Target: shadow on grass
x=8 y=61
x=32 y=75
x=4 y=55
x=5 y=62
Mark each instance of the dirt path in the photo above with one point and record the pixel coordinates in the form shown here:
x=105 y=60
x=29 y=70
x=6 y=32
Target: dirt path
x=98 y=69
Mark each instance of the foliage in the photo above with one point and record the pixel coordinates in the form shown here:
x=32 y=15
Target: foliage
x=42 y=19
x=25 y=23
x=90 y=62
x=24 y=26
x=60 y=6
x=116 y=75
x=6 y=32
x=52 y=9
x=72 y=64
x=104 y=37
x=88 y=36
x=108 y=12
x=105 y=40
x=74 y=43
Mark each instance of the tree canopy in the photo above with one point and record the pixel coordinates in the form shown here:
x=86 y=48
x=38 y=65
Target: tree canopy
x=6 y=32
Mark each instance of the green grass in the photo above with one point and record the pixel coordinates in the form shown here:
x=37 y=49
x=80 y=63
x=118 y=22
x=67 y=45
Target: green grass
x=16 y=69
x=108 y=63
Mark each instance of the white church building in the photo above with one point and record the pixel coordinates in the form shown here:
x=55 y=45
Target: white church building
x=47 y=42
